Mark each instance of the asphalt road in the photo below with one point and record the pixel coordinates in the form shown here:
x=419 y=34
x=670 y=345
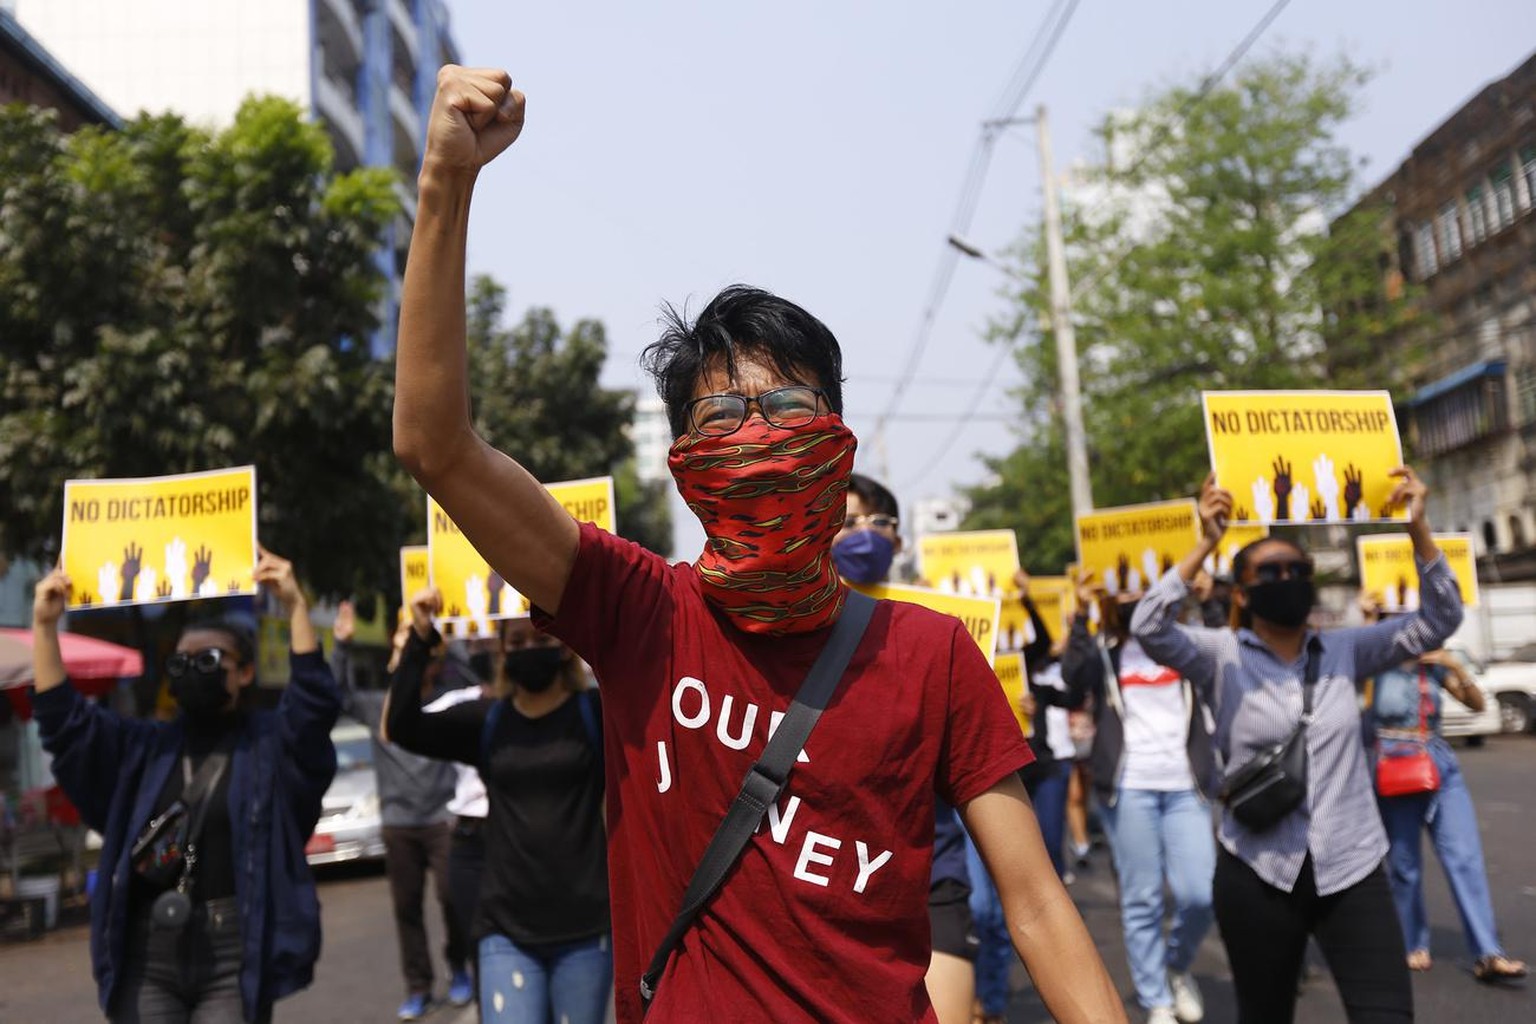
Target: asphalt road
x=358 y=978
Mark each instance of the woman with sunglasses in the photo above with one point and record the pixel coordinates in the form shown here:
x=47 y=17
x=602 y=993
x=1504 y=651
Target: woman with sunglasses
x=1318 y=870
x=204 y=908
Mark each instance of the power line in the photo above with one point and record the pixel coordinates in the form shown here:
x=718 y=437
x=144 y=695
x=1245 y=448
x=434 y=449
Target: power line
x=965 y=418
x=1026 y=73
x=1206 y=86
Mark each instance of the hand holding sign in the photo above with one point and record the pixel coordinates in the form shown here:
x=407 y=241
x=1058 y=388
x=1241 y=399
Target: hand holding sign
x=1215 y=510
x=1409 y=494
x=426 y=604
x=49 y=598
x=276 y=575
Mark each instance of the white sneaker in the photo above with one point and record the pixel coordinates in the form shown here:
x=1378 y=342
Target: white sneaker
x=1188 y=1006
x=1161 y=1015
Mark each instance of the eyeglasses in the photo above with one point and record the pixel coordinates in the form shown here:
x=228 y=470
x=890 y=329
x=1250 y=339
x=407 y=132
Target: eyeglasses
x=792 y=406
x=210 y=659
x=1274 y=572
x=877 y=521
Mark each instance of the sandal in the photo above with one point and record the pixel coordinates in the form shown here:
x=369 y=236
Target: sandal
x=1498 y=968
x=1419 y=960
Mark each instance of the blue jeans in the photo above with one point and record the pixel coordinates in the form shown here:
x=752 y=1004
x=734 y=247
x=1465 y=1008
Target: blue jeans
x=1050 y=800
x=1452 y=824
x=1158 y=836
x=566 y=982
x=994 y=957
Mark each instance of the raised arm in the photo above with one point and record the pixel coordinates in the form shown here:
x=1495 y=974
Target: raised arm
x=1402 y=637
x=87 y=741
x=452 y=734
x=1190 y=651
x=506 y=514
x=311 y=701
x=1082 y=664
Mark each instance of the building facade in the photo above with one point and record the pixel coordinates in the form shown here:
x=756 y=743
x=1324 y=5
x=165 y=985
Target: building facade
x=365 y=69
x=29 y=74
x=1463 y=221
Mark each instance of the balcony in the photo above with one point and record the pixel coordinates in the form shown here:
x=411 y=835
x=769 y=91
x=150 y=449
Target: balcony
x=1460 y=409
x=340 y=35
x=405 y=30
x=408 y=133
x=336 y=103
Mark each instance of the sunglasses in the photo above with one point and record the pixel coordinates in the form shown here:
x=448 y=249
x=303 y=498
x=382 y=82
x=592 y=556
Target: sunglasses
x=878 y=521
x=1274 y=572
x=183 y=663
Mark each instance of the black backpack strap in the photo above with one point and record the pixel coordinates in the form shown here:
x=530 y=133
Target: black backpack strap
x=766 y=779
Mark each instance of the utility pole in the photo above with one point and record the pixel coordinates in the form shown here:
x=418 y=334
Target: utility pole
x=1061 y=326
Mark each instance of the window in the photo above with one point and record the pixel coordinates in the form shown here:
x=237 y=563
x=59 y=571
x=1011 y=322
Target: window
x=1490 y=536
x=1477 y=215
x=1503 y=197
x=1450 y=232
x=1467 y=413
x=1516 y=532
x=1528 y=172
x=1424 y=251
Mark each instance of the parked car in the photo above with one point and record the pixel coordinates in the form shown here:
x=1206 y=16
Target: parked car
x=350 y=826
x=1459 y=721
x=1510 y=686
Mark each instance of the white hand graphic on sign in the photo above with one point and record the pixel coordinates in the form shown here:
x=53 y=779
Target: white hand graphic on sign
x=1263 y=501
x=106 y=583
x=1301 y=503
x=144 y=586
x=1327 y=486
x=176 y=567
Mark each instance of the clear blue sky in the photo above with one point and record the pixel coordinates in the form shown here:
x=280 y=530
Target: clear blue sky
x=817 y=149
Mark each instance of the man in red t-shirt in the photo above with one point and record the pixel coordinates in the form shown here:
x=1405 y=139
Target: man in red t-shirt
x=823 y=917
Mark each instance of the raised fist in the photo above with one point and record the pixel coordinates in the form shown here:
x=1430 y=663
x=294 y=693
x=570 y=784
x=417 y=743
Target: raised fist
x=475 y=115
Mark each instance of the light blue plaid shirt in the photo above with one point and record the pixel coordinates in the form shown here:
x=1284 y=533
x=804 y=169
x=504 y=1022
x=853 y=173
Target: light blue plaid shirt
x=1256 y=698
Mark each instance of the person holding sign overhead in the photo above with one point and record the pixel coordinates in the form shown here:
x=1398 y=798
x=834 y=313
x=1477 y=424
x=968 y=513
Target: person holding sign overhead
x=1302 y=844
x=204 y=909
x=813 y=908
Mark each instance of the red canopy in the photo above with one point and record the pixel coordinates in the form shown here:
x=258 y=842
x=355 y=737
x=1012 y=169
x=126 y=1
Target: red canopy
x=94 y=666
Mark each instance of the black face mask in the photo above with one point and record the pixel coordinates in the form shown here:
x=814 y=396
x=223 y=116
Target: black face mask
x=201 y=694
x=1285 y=602
x=533 y=668
x=483 y=664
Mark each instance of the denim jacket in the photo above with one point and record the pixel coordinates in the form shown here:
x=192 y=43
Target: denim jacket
x=112 y=768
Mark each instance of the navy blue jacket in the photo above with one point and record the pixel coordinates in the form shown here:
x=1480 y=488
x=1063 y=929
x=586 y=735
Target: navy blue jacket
x=112 y=768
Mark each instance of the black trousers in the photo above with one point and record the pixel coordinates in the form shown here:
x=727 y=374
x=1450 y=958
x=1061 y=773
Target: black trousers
x=466 y=863
x=187 y=976
x=411 y=853
x=1265 y=931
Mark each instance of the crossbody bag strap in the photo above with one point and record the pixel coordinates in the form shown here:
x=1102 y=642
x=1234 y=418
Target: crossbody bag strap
x=199 y=796
x=1309 y=680
x=765 y=780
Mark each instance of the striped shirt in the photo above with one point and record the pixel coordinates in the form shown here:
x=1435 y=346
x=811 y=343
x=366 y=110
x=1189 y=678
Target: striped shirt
x=1256 y=698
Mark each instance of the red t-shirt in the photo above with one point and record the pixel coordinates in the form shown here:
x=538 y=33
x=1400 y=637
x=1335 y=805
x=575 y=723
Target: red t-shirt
x=824 y=917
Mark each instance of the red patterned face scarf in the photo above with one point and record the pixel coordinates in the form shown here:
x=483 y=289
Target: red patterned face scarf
x=771 y=499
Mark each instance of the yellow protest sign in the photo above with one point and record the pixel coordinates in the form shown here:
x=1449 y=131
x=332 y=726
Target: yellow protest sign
x=1010 y=673
x=415 y=573
x=1237 y=537
x=1128 y=548
x=1388 y=572
x=977 y=563
x=977 y=614
x=1305 y=456
x=1053 y=597
x=155 y=539
x=474 y=594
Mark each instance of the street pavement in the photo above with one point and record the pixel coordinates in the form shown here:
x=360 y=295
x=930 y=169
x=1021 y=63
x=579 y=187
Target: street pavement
x=358 y=977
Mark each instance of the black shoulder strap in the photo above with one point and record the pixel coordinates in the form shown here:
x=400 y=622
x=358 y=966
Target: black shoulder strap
x=766 y=779
x=200 y=790
x=1309 y=684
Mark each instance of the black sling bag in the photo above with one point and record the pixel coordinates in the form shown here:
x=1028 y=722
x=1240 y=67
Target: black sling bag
x=1274 y=783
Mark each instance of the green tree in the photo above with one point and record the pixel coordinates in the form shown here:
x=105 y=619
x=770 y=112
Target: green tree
x=535 y=394
x=1200 y=256
x=174 y=299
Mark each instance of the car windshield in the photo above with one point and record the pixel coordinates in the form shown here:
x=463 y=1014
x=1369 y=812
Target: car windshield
x=353 y=752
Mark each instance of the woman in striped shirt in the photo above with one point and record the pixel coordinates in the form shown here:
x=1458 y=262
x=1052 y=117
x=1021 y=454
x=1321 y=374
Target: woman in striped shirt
x=1318 y=871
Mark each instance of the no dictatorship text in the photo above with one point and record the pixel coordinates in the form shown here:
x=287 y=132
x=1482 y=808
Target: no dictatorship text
x=161 y=506
x=1302 y=421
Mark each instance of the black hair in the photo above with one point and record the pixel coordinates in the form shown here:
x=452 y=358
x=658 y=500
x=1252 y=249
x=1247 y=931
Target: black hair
x=1243 y=616
x=875 y=496
x=240 y=636
x=741 y=321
